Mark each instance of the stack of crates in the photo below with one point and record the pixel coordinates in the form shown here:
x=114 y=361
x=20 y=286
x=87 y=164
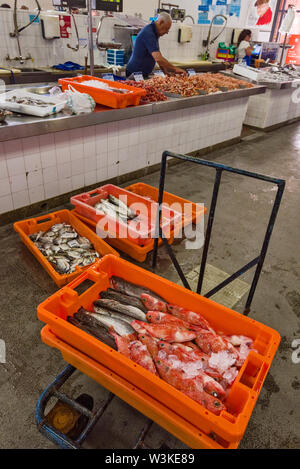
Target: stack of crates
x=115 y=57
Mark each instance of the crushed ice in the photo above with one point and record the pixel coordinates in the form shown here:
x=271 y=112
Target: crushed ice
x=221 y=361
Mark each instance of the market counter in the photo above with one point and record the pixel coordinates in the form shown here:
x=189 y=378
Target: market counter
x=280 y=104
x=21 y=126
x=43 y=158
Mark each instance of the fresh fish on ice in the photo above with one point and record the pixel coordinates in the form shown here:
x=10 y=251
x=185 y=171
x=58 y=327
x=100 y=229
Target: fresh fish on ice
x=120 y=308
x=131 y=214
x=140 y=354
x=156 y=317
x=153 y=304
x=111 y=294
x=62 y=245
x=169 y=333
x=131 y=289
x=97 y=332
x=112 y=314
x=190 y=316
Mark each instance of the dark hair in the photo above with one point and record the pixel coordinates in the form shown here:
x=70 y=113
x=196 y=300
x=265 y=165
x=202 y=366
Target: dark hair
x=260 y=2
x=244 y=33
x=4 y=5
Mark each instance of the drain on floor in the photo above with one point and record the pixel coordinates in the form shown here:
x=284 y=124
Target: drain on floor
x=229 y=296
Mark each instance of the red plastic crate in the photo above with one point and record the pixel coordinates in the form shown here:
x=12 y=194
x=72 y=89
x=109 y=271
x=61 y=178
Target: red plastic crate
x=103 y=96
x=140 y=252
x=230 y=425
x=140 y=232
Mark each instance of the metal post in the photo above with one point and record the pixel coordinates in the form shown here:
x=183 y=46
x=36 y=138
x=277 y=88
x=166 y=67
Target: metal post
x=160 y=199
x=90 y=37
x=265 y=246
x=209 y=228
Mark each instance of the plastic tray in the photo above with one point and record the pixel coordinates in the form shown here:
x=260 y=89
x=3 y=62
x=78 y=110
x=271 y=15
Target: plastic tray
x=143 y=402
x=44 y=223
x=57 y=105
x=102 y=96
x=230 y=425
x=140 y=232
x=193 y=215
x=139 y=253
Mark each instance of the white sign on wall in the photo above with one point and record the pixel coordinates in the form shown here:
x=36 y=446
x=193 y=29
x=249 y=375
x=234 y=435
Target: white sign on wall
x=261 y=14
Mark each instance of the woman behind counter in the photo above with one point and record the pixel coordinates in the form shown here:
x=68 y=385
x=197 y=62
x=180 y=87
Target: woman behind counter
x=244 y=48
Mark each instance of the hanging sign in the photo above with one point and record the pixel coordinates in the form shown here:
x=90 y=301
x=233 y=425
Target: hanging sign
x=65 y=26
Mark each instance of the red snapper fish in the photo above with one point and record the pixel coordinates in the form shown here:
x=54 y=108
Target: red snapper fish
x=140 y=354
x=189 y=316
x=153 y=304
x=157 y=317
x=167 y=332
x=188 y=386
x=209 y=342
x=192 y=354
x=135 y=350
x=192 y=368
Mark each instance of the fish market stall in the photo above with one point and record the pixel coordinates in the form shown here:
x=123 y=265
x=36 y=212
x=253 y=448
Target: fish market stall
x=46 y=157
x=281 y=102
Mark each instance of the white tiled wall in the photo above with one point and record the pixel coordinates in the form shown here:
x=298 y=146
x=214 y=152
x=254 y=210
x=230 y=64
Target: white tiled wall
x=273 y=107
x=191 y=50
x=51 y=52
x=33 y=169
x=44 y=52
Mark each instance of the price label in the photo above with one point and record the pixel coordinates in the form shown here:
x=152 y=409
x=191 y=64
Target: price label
x=108 y=76
x=159 y=73
x=138 y=76
x=191 y=72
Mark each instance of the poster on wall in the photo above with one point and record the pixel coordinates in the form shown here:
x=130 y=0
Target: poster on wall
x=209 y=8
x=65 y=26
x=293 y=54
x=261 y=14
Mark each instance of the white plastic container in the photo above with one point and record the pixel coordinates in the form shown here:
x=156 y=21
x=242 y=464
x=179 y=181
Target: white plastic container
x=53 y=104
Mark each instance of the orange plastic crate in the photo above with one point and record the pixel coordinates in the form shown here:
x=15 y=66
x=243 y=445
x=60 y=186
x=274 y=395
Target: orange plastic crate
x=143 y=402
x=139 y=233
x=102 y=96
x=44 y=223
x=230 y=425
x=139 y=252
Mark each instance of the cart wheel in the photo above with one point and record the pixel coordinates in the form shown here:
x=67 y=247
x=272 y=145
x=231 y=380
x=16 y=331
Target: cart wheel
x=88 y=402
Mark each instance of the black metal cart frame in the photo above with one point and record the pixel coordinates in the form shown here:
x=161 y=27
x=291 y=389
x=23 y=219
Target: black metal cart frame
x=53 y=390
x=257 y=261
x=62 y=440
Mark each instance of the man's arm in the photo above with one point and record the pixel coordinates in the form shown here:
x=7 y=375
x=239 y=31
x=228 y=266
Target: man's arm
x=165 y=65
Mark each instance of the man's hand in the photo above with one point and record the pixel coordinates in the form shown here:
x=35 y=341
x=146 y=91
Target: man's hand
x=180 y=71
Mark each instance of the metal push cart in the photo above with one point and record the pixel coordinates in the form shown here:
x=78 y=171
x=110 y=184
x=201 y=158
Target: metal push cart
x=83 y=408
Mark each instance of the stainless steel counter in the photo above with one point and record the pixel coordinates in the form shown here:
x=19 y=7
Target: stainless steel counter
x=280 y=85
x=20 y=126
